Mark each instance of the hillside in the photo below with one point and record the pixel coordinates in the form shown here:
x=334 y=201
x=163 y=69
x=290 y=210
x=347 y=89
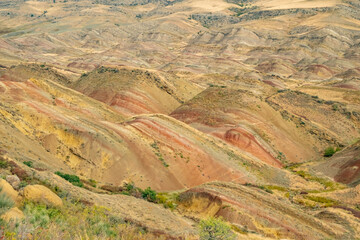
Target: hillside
x=159 y=119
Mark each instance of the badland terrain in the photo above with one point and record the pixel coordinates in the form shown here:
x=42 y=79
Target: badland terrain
x=146 y=117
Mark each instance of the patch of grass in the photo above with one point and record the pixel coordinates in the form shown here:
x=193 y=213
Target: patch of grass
x=92 y=183
x=335 y=107
x=287 y=195
x=306 y=203
x=3 y=163
x=303 y=174
x=5 y=202
x=326 y=202
x=167 y=200
x=278 y=188
x=265 y=188
x=75 y=180
x=73 y=221
x=293 y=166
x=328 y=184
x=238 y=229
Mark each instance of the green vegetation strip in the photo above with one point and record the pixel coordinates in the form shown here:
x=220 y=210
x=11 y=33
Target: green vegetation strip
x=75 y=180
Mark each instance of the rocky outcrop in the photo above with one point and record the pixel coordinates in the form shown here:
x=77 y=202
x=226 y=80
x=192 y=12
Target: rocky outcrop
x=13 y=180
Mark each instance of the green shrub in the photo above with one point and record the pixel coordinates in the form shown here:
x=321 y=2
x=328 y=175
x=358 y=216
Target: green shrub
x=330 y=151
x=28 y=163
x=215 y=229
x=75 y=180
x=130 y=186
x=149 y=195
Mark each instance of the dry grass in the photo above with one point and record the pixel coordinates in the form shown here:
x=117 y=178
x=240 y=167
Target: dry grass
x=73 y=221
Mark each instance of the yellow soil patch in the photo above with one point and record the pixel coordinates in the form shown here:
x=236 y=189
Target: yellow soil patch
x=285 y=4
x=212 y=6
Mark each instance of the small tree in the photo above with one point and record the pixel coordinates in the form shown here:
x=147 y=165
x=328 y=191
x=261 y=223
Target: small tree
x=215 y=229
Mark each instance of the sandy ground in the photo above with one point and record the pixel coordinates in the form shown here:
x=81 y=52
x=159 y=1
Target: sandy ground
x=285 y=4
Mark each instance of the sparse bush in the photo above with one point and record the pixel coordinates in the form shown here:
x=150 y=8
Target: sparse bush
x=5 y=203
x=215 y=229
x=92 y=183
x=335 y=107
x=3 y=163
x=156 y=148
x=131 y=190
x=75 y=180
x=130 y=186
